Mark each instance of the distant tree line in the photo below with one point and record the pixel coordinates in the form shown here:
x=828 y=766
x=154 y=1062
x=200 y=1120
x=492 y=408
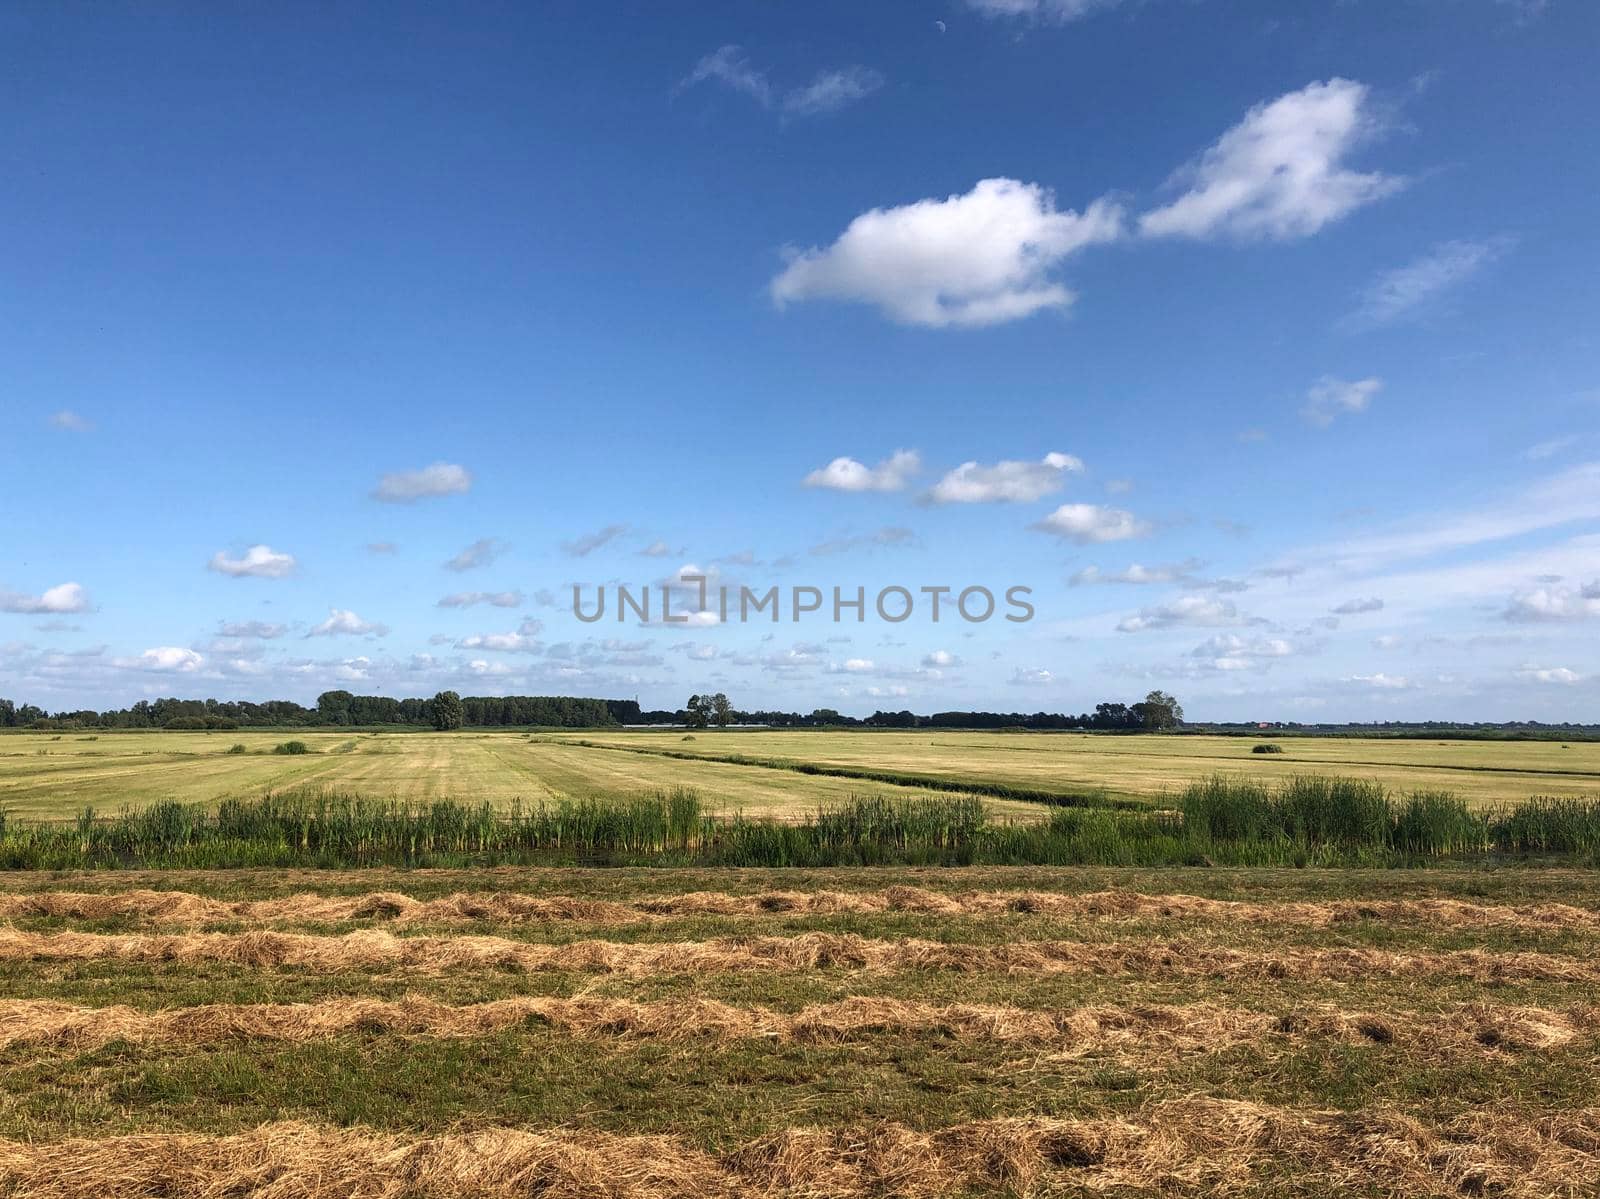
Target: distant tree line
x=1157 y=711
x=333 y=708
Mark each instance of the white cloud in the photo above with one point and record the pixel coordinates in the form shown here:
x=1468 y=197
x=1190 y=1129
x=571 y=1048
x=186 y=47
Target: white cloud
x=169 y=659
x=1381 y=681
x=1054 y=10
x=1549 y=449
x=1005 y=481
x=480 y=553
x=981 y=258
x=58 y=600
x=523 y=641
x=1200 y=611
x=831 y=91
x=658 y=549
x=259 y=561
x=1330 y=398
x=1279 y=173
x=1031 y=678
x=341 y=621
x=495 y=599
x=259 y=629
x=846 y=474
x=408 y=486
x=582 y=547
x=729 y=66
x=1089 y=524
x=894 y=692
x=853 y=666
x=1412 y=290
x=939 y=659
x=1171 y=572
x=1356 y=606
x=1555 y=602
x=72 y=422
x=1558 y=675
x=1227 y=651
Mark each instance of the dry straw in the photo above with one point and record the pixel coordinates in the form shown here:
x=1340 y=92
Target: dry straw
x=1185 y=1146
x=371 y=950
x=502 y=907
x=1147 y=1031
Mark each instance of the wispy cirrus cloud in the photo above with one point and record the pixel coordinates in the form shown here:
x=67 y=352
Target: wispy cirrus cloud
x=1420 y=287
x=829 y=90
x=582 y=547
x=495 y=599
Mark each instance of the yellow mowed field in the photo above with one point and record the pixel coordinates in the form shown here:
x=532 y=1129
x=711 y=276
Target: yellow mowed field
x=1482 y=772
x=56 y=775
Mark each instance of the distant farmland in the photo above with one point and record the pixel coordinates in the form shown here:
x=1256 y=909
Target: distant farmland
x=784 y=774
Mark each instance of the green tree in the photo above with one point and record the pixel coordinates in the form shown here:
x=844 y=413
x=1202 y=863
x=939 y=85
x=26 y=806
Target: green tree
x=448 y=711
x=1160 y=711
x=721 y=710
x=698 y=712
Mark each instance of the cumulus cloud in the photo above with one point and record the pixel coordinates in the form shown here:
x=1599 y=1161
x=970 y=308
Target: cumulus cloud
x=1189 y=610
x=1138 y=575
x=72 y=422
x=1330 y=398
x=1022 y=677
x=480 y=553
x=168 y=659
x=939 y=659
x=1280 y=172
x=894 y=473
x=343 y=622
x=408 y=486
x=1050 y=10
x=1357 y=606
x=1228 y=651
x=258 y=562
x=522 y=641
x=1418 y=287
x=59 y=600
x=1555 y=602
x=981 y=258
x=259 y=629
x=1006 y=481
x=495 y=599
x=582 y=547
x=1558 y=675
x=1089 y=524
x=1381 y=681
x=832 y=90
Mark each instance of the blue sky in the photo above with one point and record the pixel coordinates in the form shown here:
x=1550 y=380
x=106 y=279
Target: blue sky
x=1269 y=332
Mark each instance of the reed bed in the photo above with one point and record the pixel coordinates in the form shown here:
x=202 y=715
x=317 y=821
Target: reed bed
x=1232 y=821
x=1149 y=1032
x=1185 y=1146
x=373 y=950
x=511 y=908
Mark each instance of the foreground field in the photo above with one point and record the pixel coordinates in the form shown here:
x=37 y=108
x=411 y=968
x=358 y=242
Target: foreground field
x=50 y=775
x=823 y=1033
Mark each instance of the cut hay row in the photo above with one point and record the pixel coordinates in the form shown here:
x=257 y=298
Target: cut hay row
x=372 y=950
x=1187 y=1146
x=496 y=907
x=1150 y=1031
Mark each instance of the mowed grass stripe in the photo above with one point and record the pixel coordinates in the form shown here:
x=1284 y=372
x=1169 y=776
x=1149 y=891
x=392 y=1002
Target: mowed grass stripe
x=1177 y=1147
x=375 y=950
x=511 y=908
x=1152 y=1030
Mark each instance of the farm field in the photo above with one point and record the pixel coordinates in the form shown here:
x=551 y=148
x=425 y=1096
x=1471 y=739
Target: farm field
x=630 y=1034
x=47 y=775
x=1146 y=767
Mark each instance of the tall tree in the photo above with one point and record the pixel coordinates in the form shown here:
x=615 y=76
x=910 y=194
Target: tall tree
x=721 y=710
x=1160 y=711
x=698 y=713
x=448 y=711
